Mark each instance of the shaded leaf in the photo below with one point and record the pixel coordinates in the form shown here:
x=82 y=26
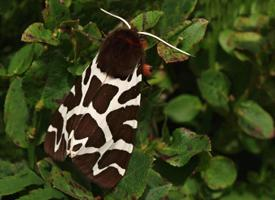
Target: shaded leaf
x=54 y=13
x=62 y=180
x=34 y=80
x=146 y=20
x=251 y=144
x=36 y=32
x=161 y=79
x=175 y=12
x=220 y=173
x=183 y=108
x=154 y=179
x=16 y=113
x=56 y=84
x=134 y=182
x=21 y=180
x=78 y=69
x=226 y=139
x=214 y=87
x=43 y=193
x=157 y=193
x=9 y=169
x=184 y=145
x=254 y=120
x=234 y=195
x=190 y=187
x=23 y=58
x=92 y=30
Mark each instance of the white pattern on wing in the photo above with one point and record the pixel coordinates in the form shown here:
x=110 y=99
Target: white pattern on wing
x=122 y=85
x=132 y=123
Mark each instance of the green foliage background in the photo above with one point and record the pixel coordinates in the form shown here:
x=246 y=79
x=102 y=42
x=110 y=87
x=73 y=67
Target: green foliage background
x=206 y=123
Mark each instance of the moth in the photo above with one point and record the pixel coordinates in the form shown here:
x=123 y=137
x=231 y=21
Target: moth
x=95 y=125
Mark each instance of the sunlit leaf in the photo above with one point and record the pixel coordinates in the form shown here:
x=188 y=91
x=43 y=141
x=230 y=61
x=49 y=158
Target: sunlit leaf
x=36 y=32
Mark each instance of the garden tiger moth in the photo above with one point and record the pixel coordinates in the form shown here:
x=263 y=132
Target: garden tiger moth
x=95 y=124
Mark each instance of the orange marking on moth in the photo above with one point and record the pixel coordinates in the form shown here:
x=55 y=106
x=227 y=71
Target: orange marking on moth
x=147 y=70
x=143 y=43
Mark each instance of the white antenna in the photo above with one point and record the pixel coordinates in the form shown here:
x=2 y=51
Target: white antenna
x=168 y=44
x=118 y=17
x=146 y=33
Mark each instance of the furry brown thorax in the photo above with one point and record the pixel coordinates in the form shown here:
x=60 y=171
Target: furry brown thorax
x=121 y=51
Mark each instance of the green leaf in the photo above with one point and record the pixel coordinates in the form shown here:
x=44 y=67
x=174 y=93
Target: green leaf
x=16 y=113
x=56 y=85
x=184 y=145
x=235 y=195
x=134 y=182
x=175 y=12
x=34 y=80
x=9 y=169
x=187 y=36
x=190 y=187
x=161 y=79
x=183 y=108
x=254 y=120
x=43 y=193
x=158 y=192
x=36 y=32
x=193 y=34
x=18 y=182
x=146 y=20
x=145 y=115
x=77 y=69
x=92 y=30
x=23 y=58
x=226 y=140
x=254 y=22
x=250 y=144
x=170 y=55
x=220 y=173
x=55 y=13
x=250 y=41
x=226 y=40
x=154 y=179
x=62 y=180
x=214 y=87
x=3 y=71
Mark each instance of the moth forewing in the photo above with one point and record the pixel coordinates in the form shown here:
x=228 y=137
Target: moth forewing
x=96 y=123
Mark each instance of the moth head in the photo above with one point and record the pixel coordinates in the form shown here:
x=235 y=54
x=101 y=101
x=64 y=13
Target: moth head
x=143 y=33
